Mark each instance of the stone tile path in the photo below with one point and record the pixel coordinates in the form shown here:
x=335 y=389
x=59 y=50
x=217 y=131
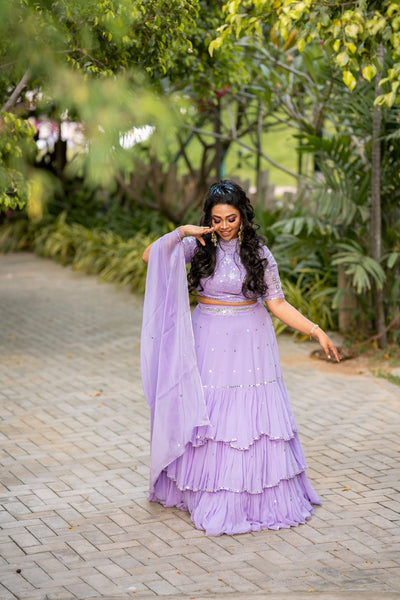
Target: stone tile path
x=75 y=520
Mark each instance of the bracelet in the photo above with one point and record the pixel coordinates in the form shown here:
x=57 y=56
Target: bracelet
x=314 y=327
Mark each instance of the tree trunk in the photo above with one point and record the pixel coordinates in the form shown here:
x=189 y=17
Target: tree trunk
x=376 y=216
x=347 y=303
x=219 y=152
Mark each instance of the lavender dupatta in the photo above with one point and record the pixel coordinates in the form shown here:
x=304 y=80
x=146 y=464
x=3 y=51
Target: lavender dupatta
x=170 y=376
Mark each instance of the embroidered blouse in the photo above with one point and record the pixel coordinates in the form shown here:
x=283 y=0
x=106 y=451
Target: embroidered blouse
x=225 y=284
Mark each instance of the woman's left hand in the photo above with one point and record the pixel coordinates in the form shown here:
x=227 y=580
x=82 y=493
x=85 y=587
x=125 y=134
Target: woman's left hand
x=327 y=345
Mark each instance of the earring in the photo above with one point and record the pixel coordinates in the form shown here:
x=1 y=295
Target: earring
x=214 y=238
x=240 y=234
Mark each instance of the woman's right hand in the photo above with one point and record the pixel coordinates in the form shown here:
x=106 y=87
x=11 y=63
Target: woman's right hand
x=196 y=231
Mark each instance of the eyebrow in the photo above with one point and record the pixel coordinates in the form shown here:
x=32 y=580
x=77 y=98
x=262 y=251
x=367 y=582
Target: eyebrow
x=227 y=217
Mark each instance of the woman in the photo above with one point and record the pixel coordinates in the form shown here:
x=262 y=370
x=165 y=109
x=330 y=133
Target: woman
x=224 y=442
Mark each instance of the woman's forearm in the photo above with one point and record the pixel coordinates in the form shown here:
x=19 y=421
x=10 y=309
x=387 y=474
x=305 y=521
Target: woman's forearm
x=288 y=314
x=146 y=254
x=181 y=232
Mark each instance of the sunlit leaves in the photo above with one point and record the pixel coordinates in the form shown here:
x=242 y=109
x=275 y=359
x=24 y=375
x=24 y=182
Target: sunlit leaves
x=369 y=72
x=16 y=143
x=351 y=32
x=349 y=80
x=342 y=59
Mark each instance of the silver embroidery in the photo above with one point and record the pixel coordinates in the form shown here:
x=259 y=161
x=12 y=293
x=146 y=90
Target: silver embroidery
x=227 y=489
x=242 y=385
x=215 y=309
x=206 y=438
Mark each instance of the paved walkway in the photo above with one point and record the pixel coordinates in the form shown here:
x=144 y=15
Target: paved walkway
x=75 y=453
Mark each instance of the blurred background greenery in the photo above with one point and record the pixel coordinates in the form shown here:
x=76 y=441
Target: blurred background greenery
x=115 y=118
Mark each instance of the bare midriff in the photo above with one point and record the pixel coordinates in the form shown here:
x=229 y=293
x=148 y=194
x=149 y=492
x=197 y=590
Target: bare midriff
x=204 y=300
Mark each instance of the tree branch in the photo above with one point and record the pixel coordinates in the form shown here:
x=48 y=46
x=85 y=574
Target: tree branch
x=133 y=195
x=246 y=147
x=286 y=67
x=16 y=93
x=377 y=336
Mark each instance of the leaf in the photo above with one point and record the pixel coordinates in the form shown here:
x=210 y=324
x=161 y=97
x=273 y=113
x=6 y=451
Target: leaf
x=352 y=30
x=369 y=72
x=214 y=45
x=351 y=48
x=301 y=45
x=392 y=259
x=342 y=59
x=349 y=80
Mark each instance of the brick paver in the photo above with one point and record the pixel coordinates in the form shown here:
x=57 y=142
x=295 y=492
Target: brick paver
x=74 y=431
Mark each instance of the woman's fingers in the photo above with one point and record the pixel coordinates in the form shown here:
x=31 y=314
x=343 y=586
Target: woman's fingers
x=329 y=347
x=198 y=233
x=335 y=352
x=330 y=350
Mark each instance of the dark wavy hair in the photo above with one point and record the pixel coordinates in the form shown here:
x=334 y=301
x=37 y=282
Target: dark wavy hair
x=204 y=259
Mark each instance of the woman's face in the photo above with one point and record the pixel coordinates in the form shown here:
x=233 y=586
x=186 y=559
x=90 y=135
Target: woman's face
x=227 y=221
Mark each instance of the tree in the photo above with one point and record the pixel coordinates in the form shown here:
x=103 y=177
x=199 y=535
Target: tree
x=354 y=36
x=89 y=60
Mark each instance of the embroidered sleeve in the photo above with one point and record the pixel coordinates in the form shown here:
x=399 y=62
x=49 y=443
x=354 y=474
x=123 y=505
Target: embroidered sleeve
x=189 y=247
x=271 y=278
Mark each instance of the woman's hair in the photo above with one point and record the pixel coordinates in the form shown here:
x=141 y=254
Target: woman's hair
x=204 y=259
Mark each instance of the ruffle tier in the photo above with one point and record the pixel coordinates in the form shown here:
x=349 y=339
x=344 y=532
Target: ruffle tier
x=229 y=409
x=285 y=505
x=217 y=466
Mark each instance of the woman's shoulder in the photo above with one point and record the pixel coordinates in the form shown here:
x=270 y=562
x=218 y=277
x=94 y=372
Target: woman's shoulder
x=267 y=254
x=264 y=249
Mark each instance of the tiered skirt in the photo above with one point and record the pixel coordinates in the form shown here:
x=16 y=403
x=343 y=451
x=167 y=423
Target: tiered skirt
x=246 y=470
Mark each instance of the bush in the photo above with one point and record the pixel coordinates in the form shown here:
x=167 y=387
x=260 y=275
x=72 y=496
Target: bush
x=95 y=251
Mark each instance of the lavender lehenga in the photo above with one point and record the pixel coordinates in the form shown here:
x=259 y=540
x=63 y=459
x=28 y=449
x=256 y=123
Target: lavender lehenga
x=224 y=442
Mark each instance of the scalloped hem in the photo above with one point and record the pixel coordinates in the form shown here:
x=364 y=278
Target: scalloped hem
x=217 y=466
x=286 y=505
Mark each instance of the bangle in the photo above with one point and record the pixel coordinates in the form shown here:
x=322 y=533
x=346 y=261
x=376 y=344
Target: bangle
x=314 y=327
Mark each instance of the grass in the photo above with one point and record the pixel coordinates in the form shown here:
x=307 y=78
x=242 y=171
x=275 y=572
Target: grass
x=381 y=362
x=388 y=376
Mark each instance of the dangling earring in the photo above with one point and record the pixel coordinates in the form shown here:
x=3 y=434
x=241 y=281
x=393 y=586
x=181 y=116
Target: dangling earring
x=214 y=238
x=240 y=234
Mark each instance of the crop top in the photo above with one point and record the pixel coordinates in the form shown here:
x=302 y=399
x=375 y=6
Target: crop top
x=226 y=282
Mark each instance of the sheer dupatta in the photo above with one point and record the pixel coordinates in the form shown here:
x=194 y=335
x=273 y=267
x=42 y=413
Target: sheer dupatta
x=170 y=375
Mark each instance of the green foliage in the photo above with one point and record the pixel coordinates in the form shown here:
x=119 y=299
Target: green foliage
x=309 y=293
x=101 y=210
x=99 y=252
x=99 y=62
x=351 y=34
x=97 y=37
x=331 y=220
x=16 y=142
x=362 y=269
